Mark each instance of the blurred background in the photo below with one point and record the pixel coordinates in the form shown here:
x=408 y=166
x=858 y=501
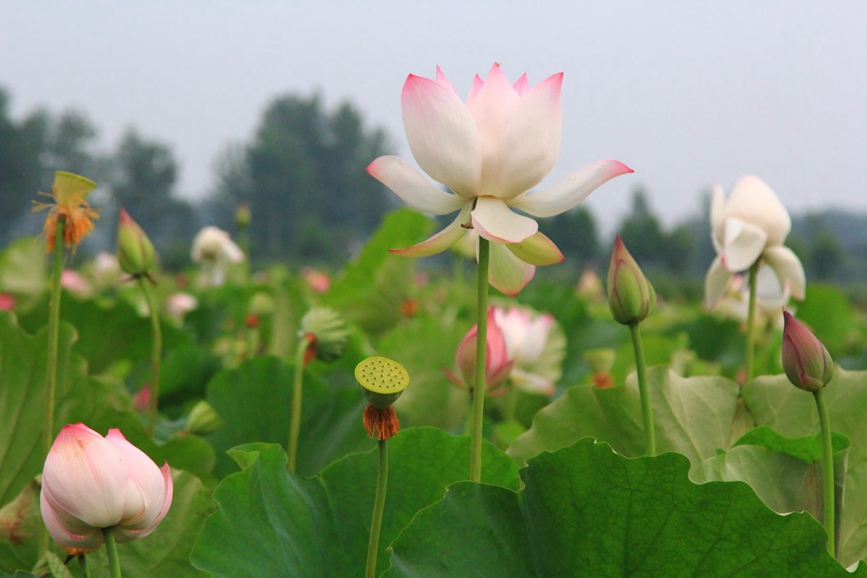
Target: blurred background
x=183 y=111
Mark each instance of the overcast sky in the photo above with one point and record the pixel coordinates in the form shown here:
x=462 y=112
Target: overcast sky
x=687 y=93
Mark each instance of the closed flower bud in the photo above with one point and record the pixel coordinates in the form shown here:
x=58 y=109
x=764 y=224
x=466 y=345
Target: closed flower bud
x=135 y=252
x=498 y=363
x=327 y=331
x=630 y=295
x=90 y=482
x=807 y=363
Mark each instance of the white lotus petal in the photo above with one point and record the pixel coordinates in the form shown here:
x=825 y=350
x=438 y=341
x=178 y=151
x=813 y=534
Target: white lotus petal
x=754 y=201
x=569 y=192
x=717 y=217
x=715 y=283
x=412 y=187
x=508 y=274
x=744 y=243
x=495 y=221
x=442 y=240
x=788 y=268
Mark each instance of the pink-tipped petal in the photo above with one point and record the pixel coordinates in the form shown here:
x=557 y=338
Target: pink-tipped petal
x=716 y=283
x=441 y=134
x=754 y=201
x=442 y=240
x=788 y=268
x=522 y=85
x=443 y=81
x=744 y=243
x=528 y=142
x=537 y=250
x=411 y=186
x=84 y=477
x=508 y=274
x=495 y=221
x=145 y=488
x=571 y=191
x=477 y=85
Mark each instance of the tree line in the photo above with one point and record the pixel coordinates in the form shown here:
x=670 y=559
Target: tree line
x=303 y=176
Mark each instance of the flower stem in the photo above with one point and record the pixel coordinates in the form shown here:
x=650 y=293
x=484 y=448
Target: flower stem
x=378 y=509
x=111 y=549
x=53 y=338
x=641 y=370
x=751 y=321
x=481 y=362
x=297 y=390
x=156 y=355
x=827 y=470
x=82 y=565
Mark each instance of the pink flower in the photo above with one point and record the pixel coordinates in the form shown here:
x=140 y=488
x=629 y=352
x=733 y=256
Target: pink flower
x=537 y=358
x=7 y=301
x=807 y=363
x=90 y=482
x=318 y=281
x=498 y=364
x=490 y=151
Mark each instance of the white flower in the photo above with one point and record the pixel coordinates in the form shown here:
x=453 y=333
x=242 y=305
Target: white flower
x=490 y=151
x=751 y=225
x=215 y=250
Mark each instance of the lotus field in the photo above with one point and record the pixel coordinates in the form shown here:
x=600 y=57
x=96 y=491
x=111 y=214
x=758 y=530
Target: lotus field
x=419 y=416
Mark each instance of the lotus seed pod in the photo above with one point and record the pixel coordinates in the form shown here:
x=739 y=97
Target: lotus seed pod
x=382 y=380
x=329 y=331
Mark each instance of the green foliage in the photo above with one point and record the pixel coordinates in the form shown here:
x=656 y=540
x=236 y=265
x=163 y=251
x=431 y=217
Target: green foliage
x=255 y=401
x=693 y=416
x=586 y=511
x=791 y=412
x=273 y=523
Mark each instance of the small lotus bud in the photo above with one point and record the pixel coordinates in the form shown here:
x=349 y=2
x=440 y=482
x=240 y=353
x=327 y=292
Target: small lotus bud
x=261 y=305
x=807 y=363
x=242 y=216
x=203 y=419
x=327 y=331
x=135 y=252
x=630 y=295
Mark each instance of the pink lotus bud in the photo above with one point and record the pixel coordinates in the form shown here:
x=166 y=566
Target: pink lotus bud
x=135 y=252
x=807 y=363
x=90 y=482
x=498 y=365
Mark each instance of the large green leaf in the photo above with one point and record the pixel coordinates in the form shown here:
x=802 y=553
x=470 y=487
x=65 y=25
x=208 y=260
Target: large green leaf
x=692 y=415
x=255 y=400
x=273 y=523
x=22 y=268
x=587 y=511
x=791 y=412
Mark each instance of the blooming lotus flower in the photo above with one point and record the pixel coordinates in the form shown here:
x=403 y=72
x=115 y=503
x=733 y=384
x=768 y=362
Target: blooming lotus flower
x=489 y=151
x=90 y=482
x=215 y=250
x=771 y=297
x=498 y=364
x=534 y=347
x=751 y=225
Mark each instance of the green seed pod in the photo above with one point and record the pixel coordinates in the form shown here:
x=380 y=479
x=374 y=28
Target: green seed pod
x=382 y=380
x=203 y=419
x=329 y=330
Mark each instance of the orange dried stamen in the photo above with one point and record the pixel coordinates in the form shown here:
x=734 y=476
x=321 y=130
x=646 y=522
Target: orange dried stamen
x=380 y=423
x=78 y=218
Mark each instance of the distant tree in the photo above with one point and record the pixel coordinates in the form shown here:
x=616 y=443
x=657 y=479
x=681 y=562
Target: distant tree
x=642 y=232
x=19 y=169
x=575 y=233
x=307 y=185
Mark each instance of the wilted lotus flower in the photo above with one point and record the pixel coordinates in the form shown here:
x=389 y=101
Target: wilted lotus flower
x=91 y=482
x=490 y=151
x=771 y=297
x=69 y=193
x=751 y=225
x=534 y=348
x=498 y=365
x=215 y=250
x=807 y=363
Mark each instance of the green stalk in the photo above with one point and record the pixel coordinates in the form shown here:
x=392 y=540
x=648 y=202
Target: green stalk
x=378 y=509
x=82 y=565
x=53 y=338
x=111 y=549
x=641 y=370
x=827 y=470
x=481 y=359
x=751 y=320
x=297 y=390
x=156 y=355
